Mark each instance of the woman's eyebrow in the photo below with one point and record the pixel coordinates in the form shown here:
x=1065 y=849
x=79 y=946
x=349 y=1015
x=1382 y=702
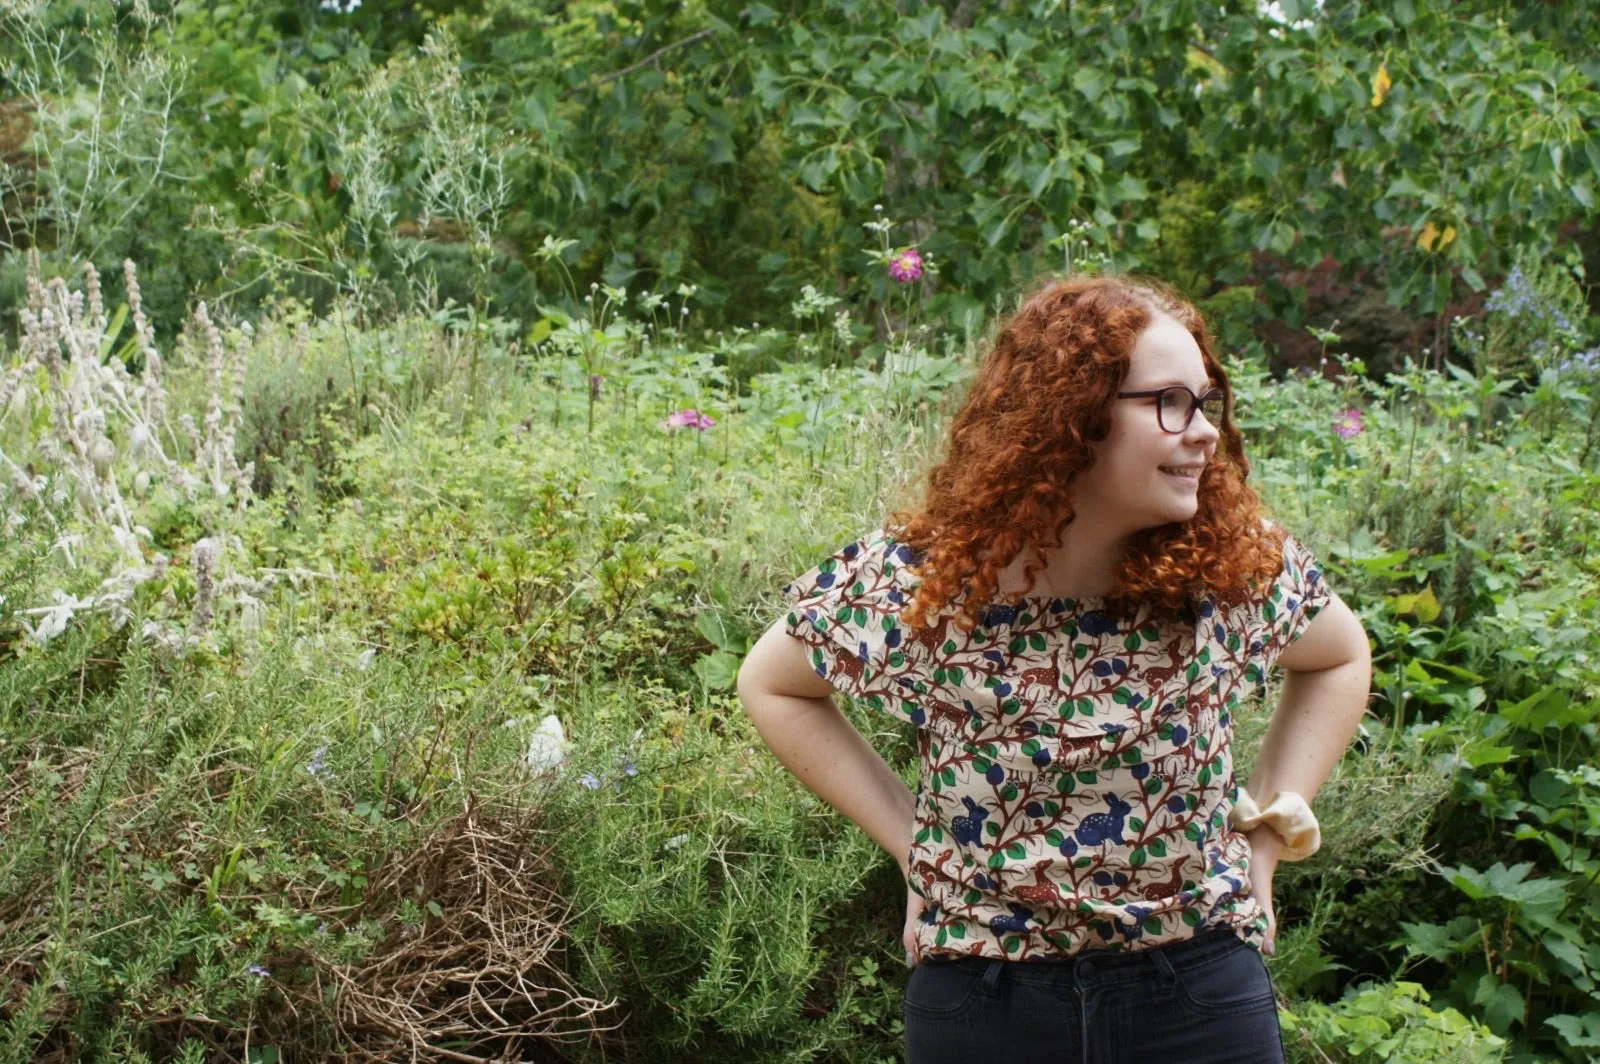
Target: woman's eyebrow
x=1168 y=383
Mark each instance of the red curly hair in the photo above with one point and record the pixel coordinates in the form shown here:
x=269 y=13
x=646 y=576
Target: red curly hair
x=1039 y=404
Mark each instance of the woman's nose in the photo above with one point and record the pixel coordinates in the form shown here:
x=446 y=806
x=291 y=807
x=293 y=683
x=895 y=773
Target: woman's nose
x=1200 y=430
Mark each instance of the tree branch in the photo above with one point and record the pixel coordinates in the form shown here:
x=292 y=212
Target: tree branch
x=647 y=60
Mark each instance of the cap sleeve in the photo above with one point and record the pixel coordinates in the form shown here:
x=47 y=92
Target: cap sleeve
x=1273 y=621
x=846 y=611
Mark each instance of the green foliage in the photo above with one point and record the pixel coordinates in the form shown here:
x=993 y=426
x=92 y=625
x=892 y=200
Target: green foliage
x=1391 y=1022
x=424 y=156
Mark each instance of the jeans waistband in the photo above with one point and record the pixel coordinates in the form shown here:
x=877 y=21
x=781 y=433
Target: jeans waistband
x=1103 y=965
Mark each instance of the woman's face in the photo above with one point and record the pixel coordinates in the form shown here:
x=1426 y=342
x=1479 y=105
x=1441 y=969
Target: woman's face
x=1132 y=484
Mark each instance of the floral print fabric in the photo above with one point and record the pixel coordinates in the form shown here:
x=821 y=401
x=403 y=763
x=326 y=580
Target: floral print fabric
x=1076 y=770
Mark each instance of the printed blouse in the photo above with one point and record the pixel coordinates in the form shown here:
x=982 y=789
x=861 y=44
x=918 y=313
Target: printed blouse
x=1075 y=764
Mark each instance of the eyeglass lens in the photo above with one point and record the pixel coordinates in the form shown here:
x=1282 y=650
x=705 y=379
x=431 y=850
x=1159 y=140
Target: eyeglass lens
x=1176 y=407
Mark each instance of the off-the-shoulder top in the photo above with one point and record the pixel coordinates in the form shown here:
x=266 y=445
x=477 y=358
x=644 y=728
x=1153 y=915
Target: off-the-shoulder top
x=1075 y=765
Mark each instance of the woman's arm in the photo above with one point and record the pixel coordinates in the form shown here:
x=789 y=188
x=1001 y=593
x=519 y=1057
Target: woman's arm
x=1328 y=676
x=1329 y=672
x=791 y=708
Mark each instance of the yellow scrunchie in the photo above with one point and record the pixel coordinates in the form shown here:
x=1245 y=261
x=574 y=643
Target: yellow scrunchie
x=1288 y=814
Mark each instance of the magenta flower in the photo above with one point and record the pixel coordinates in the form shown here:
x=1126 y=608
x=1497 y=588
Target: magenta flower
x=688 y=419
x=906 y=266
x=1348 y=424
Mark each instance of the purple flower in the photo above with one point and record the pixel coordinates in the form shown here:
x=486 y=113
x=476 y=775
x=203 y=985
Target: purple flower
x=1348 y=424
x=318 y=765
x=906 y=266
x=258 y=970
x=688 y=419
x=594 y=386
x=629 y=769
x=589 y=780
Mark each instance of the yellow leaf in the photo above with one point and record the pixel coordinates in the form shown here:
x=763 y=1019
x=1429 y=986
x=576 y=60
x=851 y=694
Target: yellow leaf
x=1448 y=235
x=1426 y=238
x=1423 y=604
x=1381 y=84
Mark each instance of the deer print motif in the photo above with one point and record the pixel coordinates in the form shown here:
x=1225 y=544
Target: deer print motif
x=1041 y=893
x=1158 y=891
x=848 y=665
x=1046 y=676
x=938 y=709
x=1104 y=827
x=1163 y=674
x=932 y=637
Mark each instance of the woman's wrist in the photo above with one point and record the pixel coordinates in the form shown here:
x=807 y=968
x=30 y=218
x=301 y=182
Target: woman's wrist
x=1265 y=843
x=1288 y=815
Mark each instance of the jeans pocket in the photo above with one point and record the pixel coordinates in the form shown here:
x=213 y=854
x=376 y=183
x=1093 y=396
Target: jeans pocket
x=1228 y=983
x=941 y=990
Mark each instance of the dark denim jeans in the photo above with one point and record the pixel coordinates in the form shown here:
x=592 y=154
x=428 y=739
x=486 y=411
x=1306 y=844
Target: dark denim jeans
x=1205 y=1000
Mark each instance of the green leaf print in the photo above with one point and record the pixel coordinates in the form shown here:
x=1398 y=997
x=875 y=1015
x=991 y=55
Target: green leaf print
x=1015 y=851
x=1158 y=848
x=1036 y=641
x=1011 y=944
x=1137 y=858
x=1132 y=642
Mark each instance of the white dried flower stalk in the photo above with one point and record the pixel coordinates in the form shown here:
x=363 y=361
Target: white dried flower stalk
x=35 y=289
x=11 y=384
x=211 y=445
x=141 y=327
x=203 y=557
x=97 y=412
x=97 y=308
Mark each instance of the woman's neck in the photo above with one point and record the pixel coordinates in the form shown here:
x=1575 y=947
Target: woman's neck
x=1083 y=566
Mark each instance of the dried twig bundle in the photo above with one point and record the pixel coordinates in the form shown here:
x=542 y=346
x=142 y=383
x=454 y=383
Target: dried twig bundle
x=482 y=970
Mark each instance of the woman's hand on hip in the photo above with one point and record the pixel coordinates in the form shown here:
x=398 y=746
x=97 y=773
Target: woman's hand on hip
x=915 y=903
x=1265 y=845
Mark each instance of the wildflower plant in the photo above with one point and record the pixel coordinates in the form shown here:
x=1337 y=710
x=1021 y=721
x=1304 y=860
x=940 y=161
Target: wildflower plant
x=99 y=443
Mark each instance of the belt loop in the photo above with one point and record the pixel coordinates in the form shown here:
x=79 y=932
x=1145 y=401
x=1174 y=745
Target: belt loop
x=1169 y=975
x=991 y=974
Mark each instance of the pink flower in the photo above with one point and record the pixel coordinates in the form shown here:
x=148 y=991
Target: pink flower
x=1348 y=424
x=688 y=419
x=906 y=266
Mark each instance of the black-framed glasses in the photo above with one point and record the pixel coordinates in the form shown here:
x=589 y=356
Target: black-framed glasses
x=1177 y=402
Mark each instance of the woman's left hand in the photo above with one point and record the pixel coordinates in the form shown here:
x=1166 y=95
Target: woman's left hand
x=1265 y=844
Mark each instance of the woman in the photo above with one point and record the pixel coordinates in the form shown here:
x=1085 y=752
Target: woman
x=1070 y=620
